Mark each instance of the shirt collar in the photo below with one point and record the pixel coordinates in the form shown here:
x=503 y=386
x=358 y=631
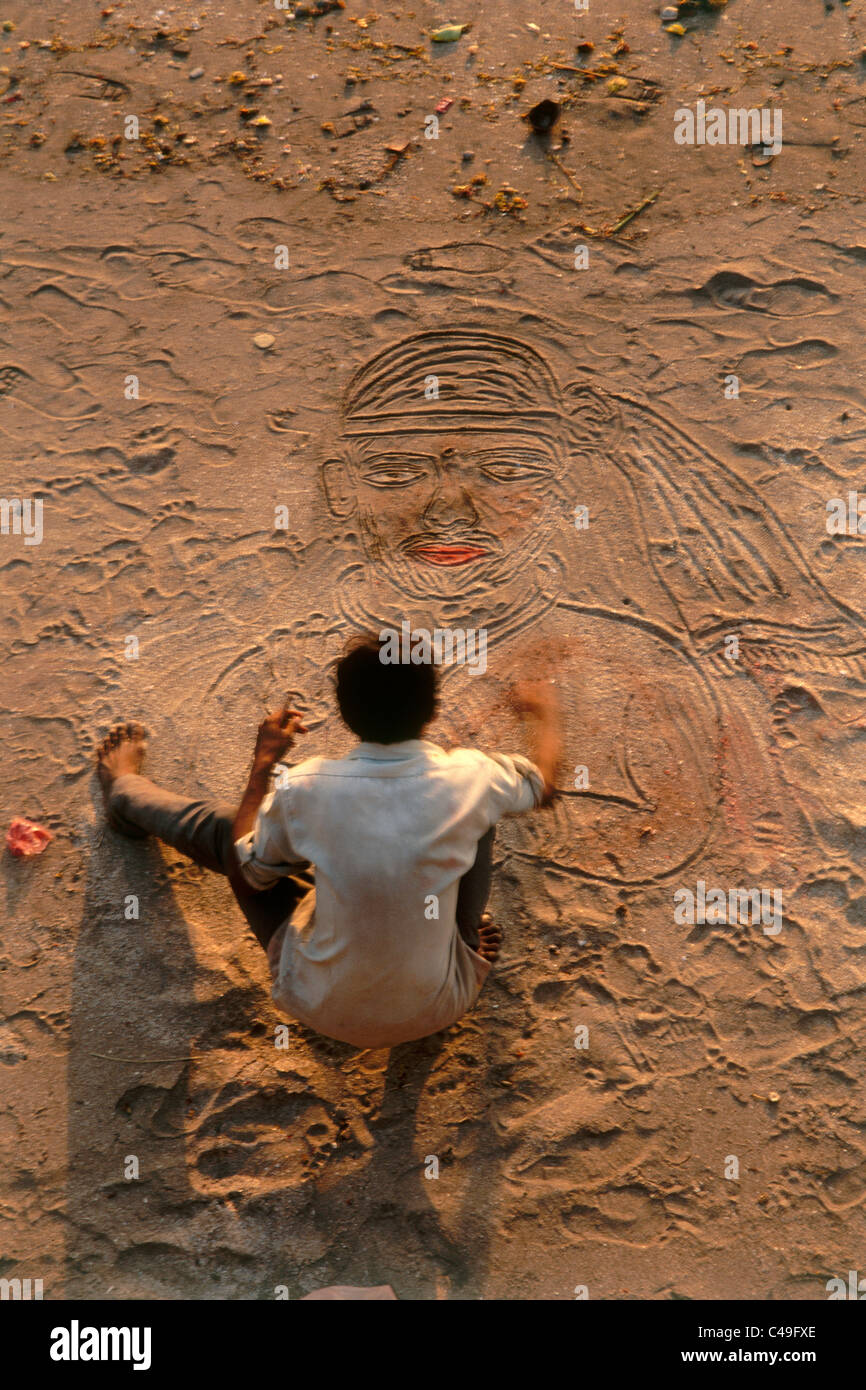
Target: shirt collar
x=389 y=752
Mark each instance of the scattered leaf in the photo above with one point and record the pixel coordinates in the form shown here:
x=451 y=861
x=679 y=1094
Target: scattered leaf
x=449 y=33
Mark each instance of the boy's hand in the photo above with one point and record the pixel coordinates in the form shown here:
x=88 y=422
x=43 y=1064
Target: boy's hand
x=534 y=697
x=541 y=702
x=277 y=735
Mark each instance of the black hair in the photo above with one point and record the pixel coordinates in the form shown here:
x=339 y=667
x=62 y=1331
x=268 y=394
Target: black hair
x=381 y=701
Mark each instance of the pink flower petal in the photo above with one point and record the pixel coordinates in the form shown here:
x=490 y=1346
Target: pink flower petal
x=25 y=838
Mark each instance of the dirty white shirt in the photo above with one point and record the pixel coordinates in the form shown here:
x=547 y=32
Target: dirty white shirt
x=373 y=956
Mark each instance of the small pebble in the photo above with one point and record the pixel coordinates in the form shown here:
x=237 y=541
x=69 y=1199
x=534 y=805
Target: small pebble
x=264 y=340
x=774 y=1097
x=669 y=14
x=468 y=156
x=196 y=72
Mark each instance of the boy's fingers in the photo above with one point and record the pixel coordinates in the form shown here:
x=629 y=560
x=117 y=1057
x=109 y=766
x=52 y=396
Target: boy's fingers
x=282 y=715
x=292 y=721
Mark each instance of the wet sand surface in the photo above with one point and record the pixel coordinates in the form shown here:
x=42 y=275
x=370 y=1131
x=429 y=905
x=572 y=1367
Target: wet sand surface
x=210 y=537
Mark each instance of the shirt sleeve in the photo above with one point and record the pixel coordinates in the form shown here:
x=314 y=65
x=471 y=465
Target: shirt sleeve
x=266 y=854
x=516 y=784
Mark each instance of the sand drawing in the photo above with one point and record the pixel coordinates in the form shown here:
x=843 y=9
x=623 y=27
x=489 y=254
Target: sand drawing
x=460 y=462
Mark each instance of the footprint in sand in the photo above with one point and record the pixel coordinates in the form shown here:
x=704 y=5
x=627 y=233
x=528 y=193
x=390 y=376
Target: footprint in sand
x=73 y=403
x=573 y=1141
x=794 y=298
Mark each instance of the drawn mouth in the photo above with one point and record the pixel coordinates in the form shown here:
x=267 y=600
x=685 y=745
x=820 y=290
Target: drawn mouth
x=447 y=554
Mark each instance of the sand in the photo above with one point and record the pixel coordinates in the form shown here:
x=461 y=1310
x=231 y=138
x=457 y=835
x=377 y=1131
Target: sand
x=708 y=1141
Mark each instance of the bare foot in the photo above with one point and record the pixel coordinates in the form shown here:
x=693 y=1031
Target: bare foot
x=120 y=752
x=489 y=938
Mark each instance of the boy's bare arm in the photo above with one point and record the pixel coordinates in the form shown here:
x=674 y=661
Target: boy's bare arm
x=275 y=737
x=539 y=705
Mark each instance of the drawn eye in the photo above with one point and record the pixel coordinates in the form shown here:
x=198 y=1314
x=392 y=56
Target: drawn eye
x=394 y=474
x=503 y=472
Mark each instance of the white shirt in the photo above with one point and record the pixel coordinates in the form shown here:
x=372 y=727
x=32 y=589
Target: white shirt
x=373 y=956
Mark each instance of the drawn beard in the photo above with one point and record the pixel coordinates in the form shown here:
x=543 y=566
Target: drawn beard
x=367 y=598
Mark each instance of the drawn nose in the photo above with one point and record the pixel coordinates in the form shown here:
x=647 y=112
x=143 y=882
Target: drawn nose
x=450 y=503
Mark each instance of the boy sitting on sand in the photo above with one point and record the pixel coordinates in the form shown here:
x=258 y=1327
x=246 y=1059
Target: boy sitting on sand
x=389 y=941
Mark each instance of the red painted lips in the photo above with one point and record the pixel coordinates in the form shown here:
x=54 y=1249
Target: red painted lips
x=448 y=554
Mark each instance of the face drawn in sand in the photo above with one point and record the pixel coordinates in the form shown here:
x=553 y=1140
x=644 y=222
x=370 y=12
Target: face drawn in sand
x=453 y=461
x=460 y=462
